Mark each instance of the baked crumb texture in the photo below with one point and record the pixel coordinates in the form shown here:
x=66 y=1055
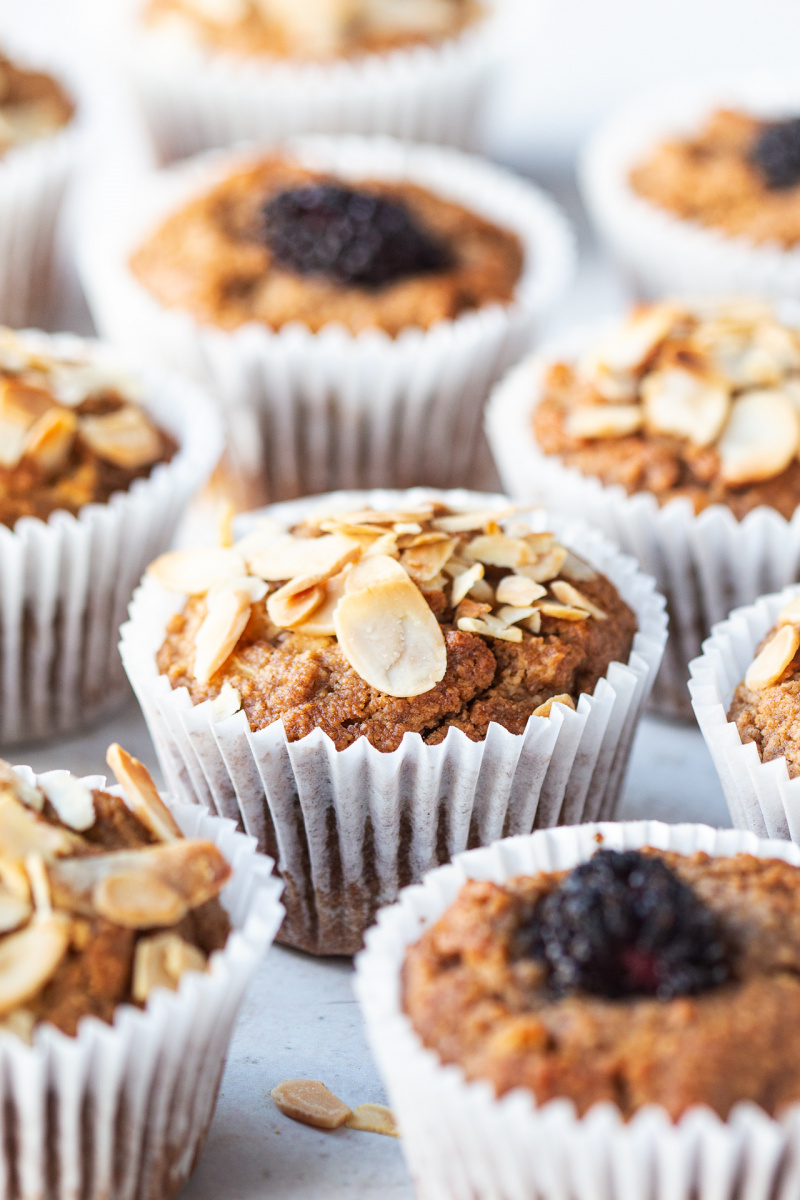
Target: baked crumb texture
x=101 y=900
x=376 y=624
x=212 y=259
x=477 y=1000
x=712 y=178
x=699 y=401
x=32 y=105
x=766 y=704
x=313 y=29
x=71 y=432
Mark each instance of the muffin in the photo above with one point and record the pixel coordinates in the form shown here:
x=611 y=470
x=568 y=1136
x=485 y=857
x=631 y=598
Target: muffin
x=351 y=306
x=37 y=151
x=123 y=966
x=97 y=465
x=210 y=76
x=679 y=430
x=696 y=190
x=337 y=665
x=543 y=1008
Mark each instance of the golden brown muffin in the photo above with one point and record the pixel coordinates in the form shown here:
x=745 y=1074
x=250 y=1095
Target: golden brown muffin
x=32 y=105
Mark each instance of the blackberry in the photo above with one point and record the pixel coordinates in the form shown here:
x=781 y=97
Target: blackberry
x=775 y=153
x=623 y=924
x=349 y=236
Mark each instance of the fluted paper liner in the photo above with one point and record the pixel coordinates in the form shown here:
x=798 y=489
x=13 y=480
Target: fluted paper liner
x=122 y=1110
x=194 y=98
x=66 y=582
x=349 y=828
x=663 y=253
x=704 y=564
x=461 y=1141
x=760 y=796
x=309 y=412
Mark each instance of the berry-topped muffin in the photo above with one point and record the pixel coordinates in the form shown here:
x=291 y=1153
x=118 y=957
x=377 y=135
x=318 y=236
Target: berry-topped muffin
x=638 y=978
x=33 y=105
x=276 y=243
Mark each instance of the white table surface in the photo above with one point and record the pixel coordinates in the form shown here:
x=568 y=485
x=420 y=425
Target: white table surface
x=300 y=1017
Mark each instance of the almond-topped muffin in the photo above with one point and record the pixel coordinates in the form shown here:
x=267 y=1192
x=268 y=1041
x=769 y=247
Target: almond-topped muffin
x=766 y=704
x=72 y=432
x=313 y=29
x=739 y=174
x=275 y=243
x=699 y=401
x=32 y=105
x=640 y=977
x=373 y=624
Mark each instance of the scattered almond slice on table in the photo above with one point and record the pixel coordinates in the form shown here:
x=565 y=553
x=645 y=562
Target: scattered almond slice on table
x=310 y=1102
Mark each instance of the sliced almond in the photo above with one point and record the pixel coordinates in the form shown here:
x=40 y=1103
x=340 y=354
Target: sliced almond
x=125 y=438
x=546 y=567
x=570 y=595
x=562 y=612
x=512 y=614
x=545 y=709
x=264 y=531
x=71 y=799
x=686 y=405
x=533 y=623
x=389 y=517
x=31 y=797
x=14 y=911
x=391 y=638
x=401 y=528
x=196 y=571
x=385 y=544
x=254 y=589
x=291 y=606
x=469 y=521
x=470 y=608
x=790 y=613
x=373 y=1118
x=160 y=961
x=603 y=420
x=227 y=703
x=138 y=900
x=320 y=623
x=518 y=590
x=577 y=570
x=49 y=441
x=761 y=438
x=310 y=1102
x=541 y=543
x=498 y=550
x=141 y=794
x=627 y=348
x=22 y=833
x=23 y=404
x=286 y=557
x=465 y=582
x=768 y=666
x=223 y=625
x=424 y=562
x=225 y=525
x=485 y=629
x=29 y=959
x=376 y=568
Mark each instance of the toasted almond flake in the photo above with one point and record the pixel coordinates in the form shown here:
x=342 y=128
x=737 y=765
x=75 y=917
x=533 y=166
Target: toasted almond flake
x=194 y=572
x=469 y=521
x=223 y=625
x=320 y=623
x=373 y=1118
x=497 y=550
x=227 y=703
x=545 y=709
x=225 y=525
x=385 y=544
x=627 y=347
x=533 y=623
x=310 y=1102
x=405 y=527
x=265 y=530
x=439 y=583
x=790 y=613
x=464 y=582
x=470 y=608
x=12 y=442
x=14 y=880
x=375 y=568
x=511 y=614
x=71 y=799
x=125 y=438
x=23 y=404
x=421 y=539
x=518 y=590
x=138 y=900
x=603 y=420
x=570 y=595
x=682 y=403
x=768 y=666
x=248 y=585
x=761 y=438
x=562 y=612
x=390 y=517
x=49 y=441
x=541 y=543
x=31 y=797
x=480 y=626
x=391 y=638
x=160 y=961
x=424 y=562
x=547 y=567
x=289 y=611
x=482 y=591
x=14 y=912
x=30 y=958
x=21 y=833
x=577 y=570
x=355 y=531
x=286 y=557
x=141 y=794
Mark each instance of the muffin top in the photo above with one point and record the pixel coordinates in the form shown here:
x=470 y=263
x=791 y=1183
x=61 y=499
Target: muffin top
x=312 y=29
x=639 y=977
x=32 y=105
x=700 y=401
x=101 y=899
x=374 y=624
x=71 y=430
x=766 y=704
x=275 y=243
x=739 y=174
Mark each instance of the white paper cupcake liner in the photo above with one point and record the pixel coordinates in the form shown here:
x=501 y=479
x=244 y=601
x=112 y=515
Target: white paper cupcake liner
x=195 y=99
x=761 y=796
x=122 y=1110
x=704 y=564
x=461 y=1141
x=663 y=253
x=350 y=828
x=309 y=412
x=65 y=583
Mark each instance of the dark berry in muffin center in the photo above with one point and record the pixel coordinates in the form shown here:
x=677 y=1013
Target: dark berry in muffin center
x=775 y=153
x=349 y=236
x=624 y=924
